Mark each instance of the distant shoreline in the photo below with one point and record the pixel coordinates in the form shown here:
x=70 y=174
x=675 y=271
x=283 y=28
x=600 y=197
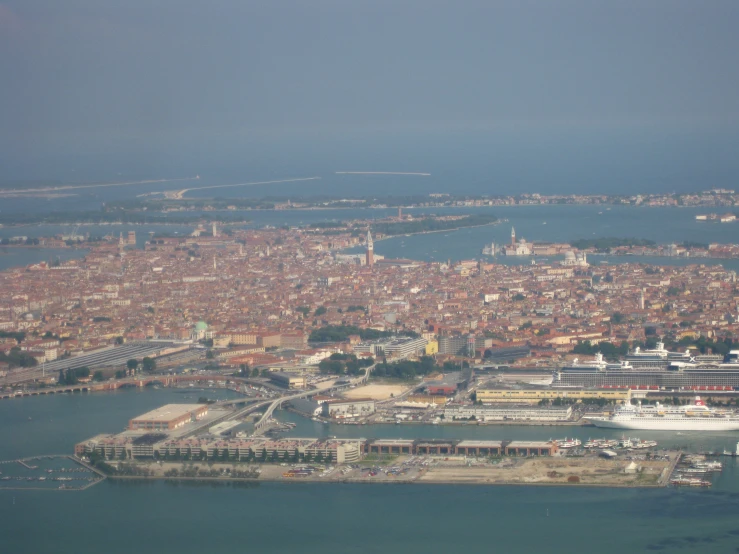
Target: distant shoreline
x=197 y=219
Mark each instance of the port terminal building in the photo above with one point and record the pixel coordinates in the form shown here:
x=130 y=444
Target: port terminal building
x=344 y=409
x=534 y=396
x=508 y=412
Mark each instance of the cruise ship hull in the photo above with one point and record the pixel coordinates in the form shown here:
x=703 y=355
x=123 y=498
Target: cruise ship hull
x=654 y=424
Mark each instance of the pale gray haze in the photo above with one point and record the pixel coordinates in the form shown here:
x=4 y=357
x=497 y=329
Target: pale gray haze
x=536 y=93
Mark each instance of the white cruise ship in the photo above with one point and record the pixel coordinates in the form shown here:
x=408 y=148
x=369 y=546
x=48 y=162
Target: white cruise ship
x=655 y=358
x=697 y=417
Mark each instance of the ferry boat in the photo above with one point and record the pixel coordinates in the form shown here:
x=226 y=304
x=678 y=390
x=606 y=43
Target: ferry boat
x=697 y=417
x=639 y=444
x=686 y=482
x=709 y=466
x=600 y=443
x=568 y=443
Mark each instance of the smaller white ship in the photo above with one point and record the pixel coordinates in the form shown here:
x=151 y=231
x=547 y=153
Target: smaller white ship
x=733 y=454
x=697 y=417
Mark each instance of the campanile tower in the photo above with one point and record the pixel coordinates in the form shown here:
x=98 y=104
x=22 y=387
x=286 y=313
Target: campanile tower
x=370 y=250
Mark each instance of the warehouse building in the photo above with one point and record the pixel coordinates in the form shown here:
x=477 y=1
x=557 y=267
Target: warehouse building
x=479 y=448
x=504 y=355
x=435 y=447
x=288 y=380
x=531 y=448
x=168 y=417
x=390 y=446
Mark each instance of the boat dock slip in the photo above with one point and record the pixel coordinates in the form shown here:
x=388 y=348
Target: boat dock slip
x=48 y=473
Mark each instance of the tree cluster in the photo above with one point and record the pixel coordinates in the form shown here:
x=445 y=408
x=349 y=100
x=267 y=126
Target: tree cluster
x=341 y=333
x=73 y=375
x=608 y=349
x=604 y=244
x=432 y=224
x=17 y=358
x=406 y=369
x=344 y=364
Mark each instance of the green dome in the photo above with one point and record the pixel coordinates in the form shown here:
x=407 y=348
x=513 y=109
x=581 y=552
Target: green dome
x=201 y=326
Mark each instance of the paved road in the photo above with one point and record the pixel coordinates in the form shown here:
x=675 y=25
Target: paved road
x=263 y=421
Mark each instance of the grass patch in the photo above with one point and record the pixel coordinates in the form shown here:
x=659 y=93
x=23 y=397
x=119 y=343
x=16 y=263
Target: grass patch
x=380 y=459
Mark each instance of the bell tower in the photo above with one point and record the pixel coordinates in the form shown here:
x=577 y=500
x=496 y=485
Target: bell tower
x=370 y=260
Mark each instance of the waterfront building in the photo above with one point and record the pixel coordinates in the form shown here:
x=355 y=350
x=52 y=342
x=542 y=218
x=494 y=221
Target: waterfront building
x=425 y=400
x=343 y=409
x=480 y=448
x=531 y=448
x=578 y=259
x=520 y=248
x=439 y=447
x=390 y=446
x=534 y=396
x=335 y=451
x=508 y=413
x=169 y=416
x=158 y=446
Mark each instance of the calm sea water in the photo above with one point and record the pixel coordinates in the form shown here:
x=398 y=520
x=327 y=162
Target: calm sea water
x=335 y=518
x=18 y=256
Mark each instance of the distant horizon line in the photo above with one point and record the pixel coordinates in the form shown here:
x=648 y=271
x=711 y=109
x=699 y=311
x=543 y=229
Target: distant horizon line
x=381 y=173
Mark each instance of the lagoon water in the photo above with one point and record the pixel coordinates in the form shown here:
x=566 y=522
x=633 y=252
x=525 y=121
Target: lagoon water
x=533 y=223
x=19 y=256
x=337 y=518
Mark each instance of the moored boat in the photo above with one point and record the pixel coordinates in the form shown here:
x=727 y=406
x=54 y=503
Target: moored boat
x=696 y=417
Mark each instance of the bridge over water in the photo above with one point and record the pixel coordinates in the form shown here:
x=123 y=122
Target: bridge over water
x=264 y=421
x=137 y=381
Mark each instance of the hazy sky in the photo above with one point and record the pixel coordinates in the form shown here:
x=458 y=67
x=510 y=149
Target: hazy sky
x=80 y=77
